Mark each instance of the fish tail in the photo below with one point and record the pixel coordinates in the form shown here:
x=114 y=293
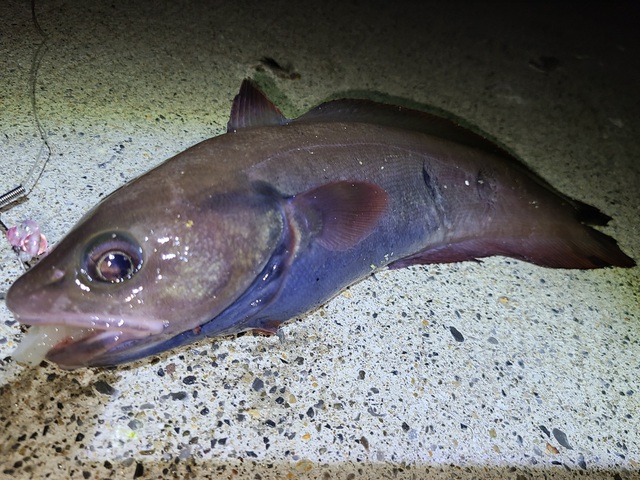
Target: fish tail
x=579 y=246
x=588 y=214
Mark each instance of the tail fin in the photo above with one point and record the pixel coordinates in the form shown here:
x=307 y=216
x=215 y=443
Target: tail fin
x=579 y=247
x=588 y=214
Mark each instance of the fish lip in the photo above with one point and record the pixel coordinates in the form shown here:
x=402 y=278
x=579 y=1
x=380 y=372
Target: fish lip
x=97 y=336
x=91 y=350
x=125 y=323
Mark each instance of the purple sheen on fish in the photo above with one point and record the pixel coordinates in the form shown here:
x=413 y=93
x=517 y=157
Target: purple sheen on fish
x=272 y=219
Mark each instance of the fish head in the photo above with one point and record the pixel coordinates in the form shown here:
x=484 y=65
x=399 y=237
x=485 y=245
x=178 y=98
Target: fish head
x=143 y=267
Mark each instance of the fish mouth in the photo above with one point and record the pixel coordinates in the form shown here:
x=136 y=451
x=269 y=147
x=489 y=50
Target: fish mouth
x=75 y=341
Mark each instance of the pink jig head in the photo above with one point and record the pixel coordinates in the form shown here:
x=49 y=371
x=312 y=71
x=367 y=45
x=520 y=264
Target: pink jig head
x=27 y=240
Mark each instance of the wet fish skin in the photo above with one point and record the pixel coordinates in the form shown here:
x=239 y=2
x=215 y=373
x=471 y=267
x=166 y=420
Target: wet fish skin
x=257 y=226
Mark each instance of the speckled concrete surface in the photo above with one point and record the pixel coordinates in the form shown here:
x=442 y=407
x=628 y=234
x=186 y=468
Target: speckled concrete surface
x=492 y=370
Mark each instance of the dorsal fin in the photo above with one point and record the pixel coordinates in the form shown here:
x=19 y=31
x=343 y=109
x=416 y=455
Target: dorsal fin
x=252 y=108
x=367 y=111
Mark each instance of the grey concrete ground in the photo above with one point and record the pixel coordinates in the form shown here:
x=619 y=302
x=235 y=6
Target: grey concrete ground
x=373 y=385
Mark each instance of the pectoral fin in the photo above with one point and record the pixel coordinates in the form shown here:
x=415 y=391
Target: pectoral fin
x=266 y=326
x=341 y=214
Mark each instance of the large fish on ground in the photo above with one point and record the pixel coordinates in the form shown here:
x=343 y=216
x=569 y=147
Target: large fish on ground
x=249 y=229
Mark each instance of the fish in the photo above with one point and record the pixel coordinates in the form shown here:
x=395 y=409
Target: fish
x=272 y=219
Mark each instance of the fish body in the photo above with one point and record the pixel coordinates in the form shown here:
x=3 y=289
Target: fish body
x=254 y=227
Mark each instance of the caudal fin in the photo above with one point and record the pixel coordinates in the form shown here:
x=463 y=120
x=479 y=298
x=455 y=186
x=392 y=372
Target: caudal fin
x=581 y=247
x=576 y=244
x=588 y=214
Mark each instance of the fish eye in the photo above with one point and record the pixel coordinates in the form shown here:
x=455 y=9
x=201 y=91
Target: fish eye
x=112 y=258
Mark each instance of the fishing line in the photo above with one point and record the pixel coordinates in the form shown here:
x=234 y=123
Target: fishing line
x=44 y=154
